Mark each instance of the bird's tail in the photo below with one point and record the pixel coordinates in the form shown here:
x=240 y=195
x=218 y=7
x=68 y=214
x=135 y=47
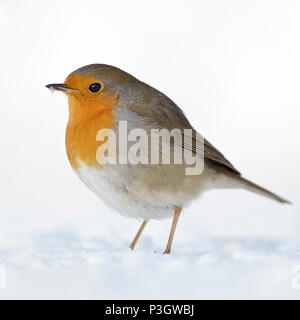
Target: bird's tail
x=246 y=184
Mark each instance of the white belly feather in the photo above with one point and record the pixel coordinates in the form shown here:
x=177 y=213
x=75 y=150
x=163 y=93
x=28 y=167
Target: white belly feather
x=120 y=190
x=114 y=193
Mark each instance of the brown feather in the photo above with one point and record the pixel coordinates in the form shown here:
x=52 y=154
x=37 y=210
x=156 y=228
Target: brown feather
x=174 y=118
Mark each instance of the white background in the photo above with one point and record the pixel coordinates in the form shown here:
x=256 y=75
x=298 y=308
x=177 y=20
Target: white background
x=232 y=66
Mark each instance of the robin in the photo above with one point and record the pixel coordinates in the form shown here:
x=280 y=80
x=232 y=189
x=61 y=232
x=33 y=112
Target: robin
x=101 y=96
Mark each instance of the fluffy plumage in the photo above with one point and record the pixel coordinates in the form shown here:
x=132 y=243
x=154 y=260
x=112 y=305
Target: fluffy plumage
x=140 y=191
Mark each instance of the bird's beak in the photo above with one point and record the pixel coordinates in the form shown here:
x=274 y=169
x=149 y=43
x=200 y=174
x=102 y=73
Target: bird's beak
x=60 y=87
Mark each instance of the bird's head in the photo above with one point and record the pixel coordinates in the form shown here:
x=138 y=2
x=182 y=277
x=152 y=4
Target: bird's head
x=93 y=89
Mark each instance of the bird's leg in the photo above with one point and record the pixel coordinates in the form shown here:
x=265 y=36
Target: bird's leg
x=175 y=220
x=136 y=238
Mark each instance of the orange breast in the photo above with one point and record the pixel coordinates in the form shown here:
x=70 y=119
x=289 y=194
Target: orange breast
x=87 y=116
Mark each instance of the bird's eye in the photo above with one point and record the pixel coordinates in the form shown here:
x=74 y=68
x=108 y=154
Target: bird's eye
x=95 y=87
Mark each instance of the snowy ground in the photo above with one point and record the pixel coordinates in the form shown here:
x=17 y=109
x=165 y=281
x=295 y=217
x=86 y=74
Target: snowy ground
x=62 y=265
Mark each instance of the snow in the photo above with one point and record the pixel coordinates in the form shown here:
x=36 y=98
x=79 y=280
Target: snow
x=61 y=265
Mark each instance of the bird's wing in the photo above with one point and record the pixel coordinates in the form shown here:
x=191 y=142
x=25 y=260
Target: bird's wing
x=164 y=113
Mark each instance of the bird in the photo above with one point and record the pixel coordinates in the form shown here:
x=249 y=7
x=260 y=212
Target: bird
x=100 y=97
